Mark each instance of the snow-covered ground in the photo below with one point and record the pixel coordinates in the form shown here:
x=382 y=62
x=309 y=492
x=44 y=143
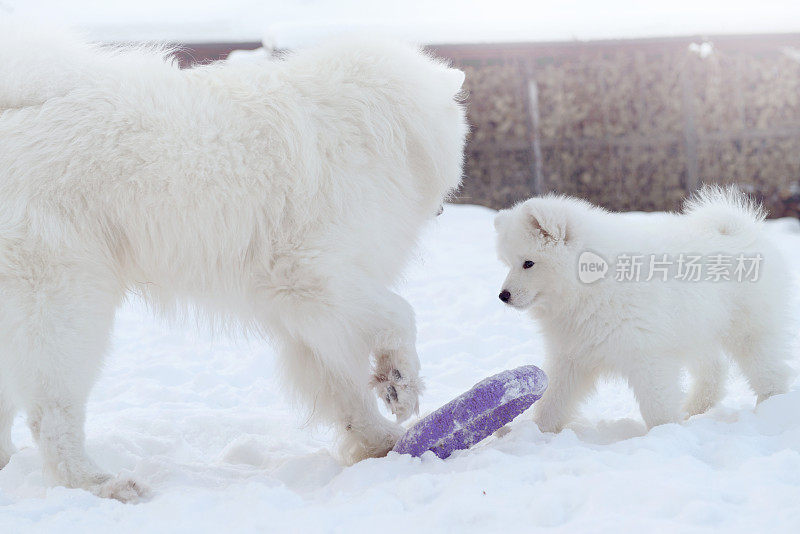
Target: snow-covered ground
x=205 y=423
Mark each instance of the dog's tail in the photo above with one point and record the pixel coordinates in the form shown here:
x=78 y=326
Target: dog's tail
x=726 y=211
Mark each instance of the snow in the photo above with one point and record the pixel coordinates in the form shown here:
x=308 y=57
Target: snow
x=290 y=24
x=205 y=423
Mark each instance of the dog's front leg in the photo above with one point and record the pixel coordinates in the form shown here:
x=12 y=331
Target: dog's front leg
x=337 y=391
x=396 y=368
x=396 y=381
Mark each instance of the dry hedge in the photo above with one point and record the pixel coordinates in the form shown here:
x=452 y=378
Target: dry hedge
x=633 y=125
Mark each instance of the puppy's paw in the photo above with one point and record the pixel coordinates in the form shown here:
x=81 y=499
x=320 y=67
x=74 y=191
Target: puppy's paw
x=547 y=427
x=547 y=420
x=400 y=391
x=122 y=488
x=502 y=432
x=697 y=406
x=5 y=456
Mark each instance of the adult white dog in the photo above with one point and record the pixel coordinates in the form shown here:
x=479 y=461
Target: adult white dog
x=708 y=282
x=283 y=196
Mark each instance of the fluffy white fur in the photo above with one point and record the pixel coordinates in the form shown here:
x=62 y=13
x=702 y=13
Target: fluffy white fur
x=285 y=197
x=647 y=331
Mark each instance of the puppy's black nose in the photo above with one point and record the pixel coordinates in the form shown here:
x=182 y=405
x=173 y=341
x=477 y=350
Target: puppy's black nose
x=505 y=295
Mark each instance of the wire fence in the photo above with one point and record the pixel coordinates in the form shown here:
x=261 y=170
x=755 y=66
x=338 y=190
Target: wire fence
x=633 y=125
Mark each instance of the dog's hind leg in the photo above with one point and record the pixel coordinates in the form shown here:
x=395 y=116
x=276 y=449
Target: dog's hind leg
x=709 y=374
x=62 y=329
x=7 y=413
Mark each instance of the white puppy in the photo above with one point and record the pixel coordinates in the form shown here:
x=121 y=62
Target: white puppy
x=285 y=197
x=573 y=267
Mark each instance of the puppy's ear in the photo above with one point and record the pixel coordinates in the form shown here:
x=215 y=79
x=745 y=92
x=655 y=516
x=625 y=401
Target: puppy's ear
x=547 y=223
x=501 y=220
x=455 y=80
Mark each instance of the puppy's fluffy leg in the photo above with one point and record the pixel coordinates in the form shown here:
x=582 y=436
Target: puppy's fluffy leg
x=568 y=385
x=656 y=386
x=762 y=358
x=7 y=412
x=709 y=374
x=396 y=373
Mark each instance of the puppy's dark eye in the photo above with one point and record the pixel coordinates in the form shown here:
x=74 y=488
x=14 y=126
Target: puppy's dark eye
x=527 y=265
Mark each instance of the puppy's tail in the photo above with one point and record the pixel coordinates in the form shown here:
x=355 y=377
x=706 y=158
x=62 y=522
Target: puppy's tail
x=726 y=211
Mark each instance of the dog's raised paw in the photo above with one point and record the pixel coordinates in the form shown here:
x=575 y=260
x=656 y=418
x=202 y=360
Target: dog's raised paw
x=399 y=392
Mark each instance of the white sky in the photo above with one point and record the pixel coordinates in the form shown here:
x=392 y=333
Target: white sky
x=291 y=23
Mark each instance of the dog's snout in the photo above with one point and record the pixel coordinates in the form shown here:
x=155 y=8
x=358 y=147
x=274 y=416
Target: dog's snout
x=505 y=295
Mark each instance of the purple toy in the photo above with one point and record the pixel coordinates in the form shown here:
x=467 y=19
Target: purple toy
x=470 y=417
